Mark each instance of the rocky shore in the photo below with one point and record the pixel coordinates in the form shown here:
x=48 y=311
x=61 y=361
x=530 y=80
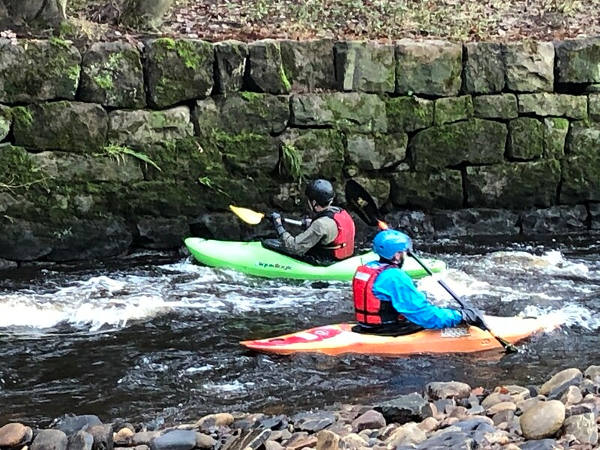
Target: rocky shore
x=562 y=413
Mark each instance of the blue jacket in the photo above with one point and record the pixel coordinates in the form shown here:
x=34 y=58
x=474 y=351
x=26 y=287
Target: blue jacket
x=394 y=285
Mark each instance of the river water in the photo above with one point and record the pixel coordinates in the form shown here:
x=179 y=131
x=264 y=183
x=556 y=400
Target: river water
x=154 y=338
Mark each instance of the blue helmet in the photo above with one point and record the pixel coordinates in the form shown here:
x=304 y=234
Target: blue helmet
x=388 y=242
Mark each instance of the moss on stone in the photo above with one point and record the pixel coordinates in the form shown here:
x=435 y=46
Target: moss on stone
x=23 y=115
x=103 y=80
x=286 y=83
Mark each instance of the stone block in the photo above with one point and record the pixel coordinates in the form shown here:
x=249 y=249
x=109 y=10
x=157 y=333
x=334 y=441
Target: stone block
x=475 y=222
x=580 y=179
x=529 y=66
x=594 y=107
x=546 y=104
x=309 y=65
x=38 y=70
x=452 y=109
x=178 y=70
x=501 y=106
x=375 y=152
x=578 y=61
x=441 y=190
x=231 y=58
x=428 y=67
x=5 y=121
x=555 y=136
x=474 y=141
x=112 y=75
x=525 y=139
x=515 y=185
x=266 y=72
x=583 y=139
x=62 y=125
x=484 y=71
x=554 y=220
x=365 y=66
x=247 y=153
x=408 y=114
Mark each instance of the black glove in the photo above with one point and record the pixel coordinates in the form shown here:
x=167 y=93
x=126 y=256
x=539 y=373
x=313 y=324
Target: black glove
x=473 y=316
x=306 y=221
x=277 y=223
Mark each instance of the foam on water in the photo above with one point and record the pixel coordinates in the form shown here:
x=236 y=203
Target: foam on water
x=569 y=314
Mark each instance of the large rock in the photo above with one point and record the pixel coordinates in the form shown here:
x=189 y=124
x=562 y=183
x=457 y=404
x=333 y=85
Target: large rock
x=447 y=389
x=578 y=61
x=313 y=422
x=162 y=233
x=594 y=106
x=529 y=66
x=309 y=65
x=484 y=71
x=364 y=113
x=407 y=434
x=515 y=185
x=365 y=66
x=112 y=75
x=34 y=71
x=583 y=139
x=175 y=440
x=102 y=436
x=408 y=114
x=555 y=136
x=543 y=421
x=501 y=106
x=81 y=440
x=452 y=109
x=327 y=440
x=374 y=152
x=369 y=420
x=266 y=72
x=140 y=128
x=36 y=13
x=69 y=126
x=525 y=139
x=242 y=112
x=441 y=190
x=583 y=427
x=475 y=222
x=555 y=386
x=415 y=223
x=50 y=440
x=554 y=220
x=15 y=435
x=178 y=70
x=546 y=104
x=5 y=121
x=429 y=67
x=312 y=153
x=403 y=409
x=581 y=167
x=474 y=141
x=230 y=65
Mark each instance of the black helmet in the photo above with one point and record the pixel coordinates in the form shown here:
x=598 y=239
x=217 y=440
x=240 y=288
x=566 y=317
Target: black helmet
x=321 y=191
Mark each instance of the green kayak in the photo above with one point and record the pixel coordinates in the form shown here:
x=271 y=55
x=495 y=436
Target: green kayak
x=252 y=258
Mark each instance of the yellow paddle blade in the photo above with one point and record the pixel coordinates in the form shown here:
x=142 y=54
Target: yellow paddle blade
x=247 y=215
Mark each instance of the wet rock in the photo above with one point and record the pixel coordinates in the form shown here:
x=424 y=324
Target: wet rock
x=476 y=222
x=15 y=435
x=451 y=389
x=70 y=424
x=50 y=440
x=174 y=440
x=103 y=437
x=365 y=66
x=583 y=427
x=274 y=423
x=416 y=223
x=403 y=409
x=161 y=232
x=145 y=437
x=571 y=396
x=327 y=440
x=554 y=220
x=409 y=433
x=544 y=420
x=81 y=440
x=230 y=65
x=369 y=420
x=555 y=386
x=313 y=422
x=541 y=444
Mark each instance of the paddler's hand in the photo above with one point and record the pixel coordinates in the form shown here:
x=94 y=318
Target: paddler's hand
x=306 y=221
x=277 y=223
x=473 y=316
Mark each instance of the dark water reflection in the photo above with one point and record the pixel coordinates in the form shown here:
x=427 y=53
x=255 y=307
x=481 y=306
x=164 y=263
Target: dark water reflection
x=156 y=340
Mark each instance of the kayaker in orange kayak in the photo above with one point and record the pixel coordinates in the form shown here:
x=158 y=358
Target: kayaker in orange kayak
x=328 y=237
x=386 y=301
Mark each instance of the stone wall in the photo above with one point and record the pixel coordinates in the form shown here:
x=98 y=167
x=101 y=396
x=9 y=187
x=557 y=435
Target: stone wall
x=141 y=144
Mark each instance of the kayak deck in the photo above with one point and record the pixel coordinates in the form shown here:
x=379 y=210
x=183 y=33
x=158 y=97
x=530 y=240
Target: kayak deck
x=254 y=259
x=339 y=339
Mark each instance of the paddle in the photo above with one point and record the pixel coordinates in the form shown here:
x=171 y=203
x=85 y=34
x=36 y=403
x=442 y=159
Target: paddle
x=365 y=205
x=254 y=217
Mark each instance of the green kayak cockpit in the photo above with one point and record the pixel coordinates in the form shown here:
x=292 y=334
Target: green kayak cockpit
x=254 y=259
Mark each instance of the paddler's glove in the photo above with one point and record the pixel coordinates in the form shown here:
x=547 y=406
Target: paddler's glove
x=277 y=223
x=472 y=316
x=306 y=221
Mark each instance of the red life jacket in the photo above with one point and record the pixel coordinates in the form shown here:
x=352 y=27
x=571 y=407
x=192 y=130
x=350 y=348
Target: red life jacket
x=342 y=246
x=368 y=309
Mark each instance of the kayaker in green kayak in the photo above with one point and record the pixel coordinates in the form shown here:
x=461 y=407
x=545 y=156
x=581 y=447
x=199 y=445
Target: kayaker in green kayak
x=328 y=237
x=386 y=301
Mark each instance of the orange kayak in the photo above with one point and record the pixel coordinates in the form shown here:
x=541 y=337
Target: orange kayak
x=338 y=339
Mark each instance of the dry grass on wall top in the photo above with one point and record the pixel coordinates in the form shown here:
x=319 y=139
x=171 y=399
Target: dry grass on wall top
x=464 y=20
